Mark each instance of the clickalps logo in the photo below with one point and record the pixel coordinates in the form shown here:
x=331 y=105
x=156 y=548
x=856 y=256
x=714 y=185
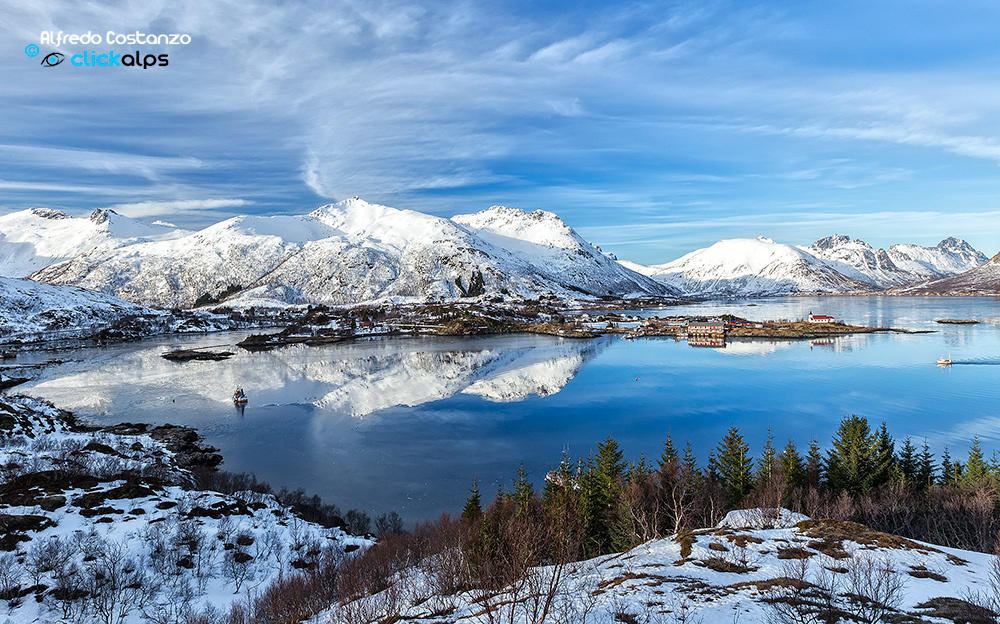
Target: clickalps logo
x=101 y=58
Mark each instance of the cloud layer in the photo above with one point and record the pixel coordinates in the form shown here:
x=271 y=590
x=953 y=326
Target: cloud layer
x=652 y=127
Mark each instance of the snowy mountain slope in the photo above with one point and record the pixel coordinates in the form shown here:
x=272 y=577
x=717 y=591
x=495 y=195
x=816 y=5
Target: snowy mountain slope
x=982 y=280
x=749 y=569
x=949 y=257
x=556 y=251
x=34 y=239
x=752 y=267
x=347 y=253
x=859 y=260
x=28 y=307
x=834 y=264
x=901 y=264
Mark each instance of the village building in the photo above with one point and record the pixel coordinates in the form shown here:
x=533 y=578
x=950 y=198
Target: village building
x=821 y=318
x=707 y=328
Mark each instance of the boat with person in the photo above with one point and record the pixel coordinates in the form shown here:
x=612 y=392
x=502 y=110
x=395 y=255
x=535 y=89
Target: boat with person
x=944 y=361
x=240 y=397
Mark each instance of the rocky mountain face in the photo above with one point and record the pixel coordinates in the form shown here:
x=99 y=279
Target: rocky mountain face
x=353 y=252
x=982 y=280
x=833 y=264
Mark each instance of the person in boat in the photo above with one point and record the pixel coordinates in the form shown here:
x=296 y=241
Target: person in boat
x=239 y=395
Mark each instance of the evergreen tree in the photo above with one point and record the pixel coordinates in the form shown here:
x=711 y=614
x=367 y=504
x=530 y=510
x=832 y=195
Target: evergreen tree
x=473 y=505
x=908 y=463
x=669 y=454
x=793 y=470
x=976 y=470
x=690 y=461
x=947 y=468
x=815 y=467
x=766 y=463
x=734 y=466
x=601 y=487
x=926 y=468
x=884 y=464
x=524 y=491
x=852 y=461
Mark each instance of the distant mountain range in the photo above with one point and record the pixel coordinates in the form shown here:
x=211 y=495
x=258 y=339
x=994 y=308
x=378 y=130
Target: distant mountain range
x=355 y=252
x=836 y=264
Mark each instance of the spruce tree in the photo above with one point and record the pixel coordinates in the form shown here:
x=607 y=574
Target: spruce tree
x=815 y=467
x=669 y=455
x=884 y=464
x=853 y=461
x=766 y=463
x=734 y=466
x=524 y=491
x=601 y=486
x=926 y=468
x=473 y=505
x=690 y=461
x=792 y=468
x=947 y=468
x=908 y=463
x=976 y=471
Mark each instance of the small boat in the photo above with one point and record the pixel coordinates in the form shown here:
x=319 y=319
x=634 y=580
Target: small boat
x=240 y=397
x=8 y=355
x=944 y=361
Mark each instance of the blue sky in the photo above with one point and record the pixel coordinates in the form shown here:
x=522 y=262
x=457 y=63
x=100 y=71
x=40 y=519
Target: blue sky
x=652 y=128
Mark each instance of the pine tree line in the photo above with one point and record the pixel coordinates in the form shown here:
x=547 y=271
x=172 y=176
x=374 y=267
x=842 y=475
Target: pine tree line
x=605 y=503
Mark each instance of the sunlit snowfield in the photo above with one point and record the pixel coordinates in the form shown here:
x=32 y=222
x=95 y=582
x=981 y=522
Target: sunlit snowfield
x=407 y=423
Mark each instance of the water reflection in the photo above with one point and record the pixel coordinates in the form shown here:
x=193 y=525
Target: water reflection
x=358 y=379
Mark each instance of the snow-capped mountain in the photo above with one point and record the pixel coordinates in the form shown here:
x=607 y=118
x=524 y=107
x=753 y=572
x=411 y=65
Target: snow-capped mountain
x=982 y=280
x=901 y=264
x=352 y=252
x=834 y=264
x=751 y=267
x=950 y=257
x=34 y=239
x=30 y=308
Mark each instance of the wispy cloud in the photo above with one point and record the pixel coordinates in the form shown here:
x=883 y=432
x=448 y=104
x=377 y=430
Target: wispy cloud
x=175 y=208
x=716 y=117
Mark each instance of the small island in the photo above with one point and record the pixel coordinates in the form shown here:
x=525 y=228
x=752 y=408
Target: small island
x=186 y=355
x=948 y=321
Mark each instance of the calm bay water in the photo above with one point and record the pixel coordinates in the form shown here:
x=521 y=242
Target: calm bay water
x=406 y=423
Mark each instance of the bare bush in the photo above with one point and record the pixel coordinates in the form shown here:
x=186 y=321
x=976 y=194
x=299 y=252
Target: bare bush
x=874 y=588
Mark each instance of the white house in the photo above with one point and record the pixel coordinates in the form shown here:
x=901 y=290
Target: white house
x=821 y=318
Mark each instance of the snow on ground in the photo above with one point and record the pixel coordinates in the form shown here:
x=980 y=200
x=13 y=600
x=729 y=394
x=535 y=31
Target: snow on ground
x=721 y=574
x=92 y=519
x=35 y=311
x=34 y=239
x=353 y=252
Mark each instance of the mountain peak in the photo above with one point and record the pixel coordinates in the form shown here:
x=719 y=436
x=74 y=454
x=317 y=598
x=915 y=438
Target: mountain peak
x=49 y=213
x=834 y=240
x=102 y=215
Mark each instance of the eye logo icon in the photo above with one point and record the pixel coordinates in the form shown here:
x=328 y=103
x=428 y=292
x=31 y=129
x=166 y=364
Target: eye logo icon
x=52 y=59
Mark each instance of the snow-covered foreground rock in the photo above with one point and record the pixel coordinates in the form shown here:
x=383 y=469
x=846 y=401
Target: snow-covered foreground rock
x=792 y=570
x=835 y=264
x=353 y=252
x=106 y=527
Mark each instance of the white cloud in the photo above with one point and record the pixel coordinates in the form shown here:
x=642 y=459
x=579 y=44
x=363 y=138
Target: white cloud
x=164 y=208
